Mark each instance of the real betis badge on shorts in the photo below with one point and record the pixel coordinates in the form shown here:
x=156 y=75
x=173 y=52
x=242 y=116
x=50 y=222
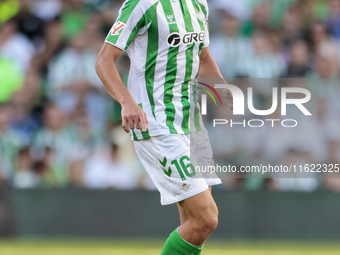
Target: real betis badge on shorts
x=185 y=187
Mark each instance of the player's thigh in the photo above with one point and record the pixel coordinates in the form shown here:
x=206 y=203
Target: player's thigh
x=182 y=212
x=200 y=208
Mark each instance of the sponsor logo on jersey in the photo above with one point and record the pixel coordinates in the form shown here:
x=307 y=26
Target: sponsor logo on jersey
x=175 y=39
x=185 y=187
x=171 y=19
x=118 y=26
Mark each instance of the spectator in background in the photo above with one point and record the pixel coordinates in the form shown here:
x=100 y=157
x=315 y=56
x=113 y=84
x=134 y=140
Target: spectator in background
x=43 y=168
x=15 y=46
x=329 y=126
x=94 y=33
x=8 y=9
x=91 y=143
x=74 y=17
x=107 y=171
x=325 y=81
x=299 y=63
x=262 y=62
x=53 y=43
x=320 y=35
x=331 y=181
x=46 y=9
x=312 y=11
x=296 y=181
x=30 y=25
x=24 y=121
x=228 y=47
x=62 y=140
x=292 y=27
x=333 y=21
x=11 y=79
x=260 y=19
x=74 y=84
x=24 y=176
x=276 y=43
x=9 y=145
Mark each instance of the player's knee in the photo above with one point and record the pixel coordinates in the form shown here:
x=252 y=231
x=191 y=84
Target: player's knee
x=211 y=224
x=212 y=221
x=205 y=227
x=206 y=224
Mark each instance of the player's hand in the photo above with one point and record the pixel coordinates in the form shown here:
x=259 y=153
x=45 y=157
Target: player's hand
x=229 y=98
x=133 y=116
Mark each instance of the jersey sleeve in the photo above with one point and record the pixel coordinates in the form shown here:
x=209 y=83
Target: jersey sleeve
x=129 y=22
x=205 y=9
x=207 y=35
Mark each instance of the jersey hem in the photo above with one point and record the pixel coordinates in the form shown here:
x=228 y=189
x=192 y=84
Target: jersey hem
x=213 y=181
x=184 y=196
x=119 y=46
x=133 y=138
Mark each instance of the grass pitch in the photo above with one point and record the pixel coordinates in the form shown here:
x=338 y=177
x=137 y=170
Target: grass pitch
x=151 y=247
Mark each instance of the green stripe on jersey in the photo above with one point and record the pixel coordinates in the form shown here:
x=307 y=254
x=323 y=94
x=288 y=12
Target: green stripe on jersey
x=171 y=72
x=134 y=135
x=188 y=72
x=204 y=10
x=128 y=8
x=152 y=52
x=198 y=9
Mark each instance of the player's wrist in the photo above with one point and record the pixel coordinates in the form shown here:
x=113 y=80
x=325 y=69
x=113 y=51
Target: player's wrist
x=127 y=100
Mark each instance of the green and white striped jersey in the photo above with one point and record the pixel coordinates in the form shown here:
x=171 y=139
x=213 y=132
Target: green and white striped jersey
x=164 y=39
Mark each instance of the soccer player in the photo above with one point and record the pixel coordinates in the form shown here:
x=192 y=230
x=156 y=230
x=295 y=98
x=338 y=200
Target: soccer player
x=168 y=44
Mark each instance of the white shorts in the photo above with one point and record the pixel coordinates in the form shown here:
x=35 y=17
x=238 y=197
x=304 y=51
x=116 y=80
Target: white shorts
x=171 y=160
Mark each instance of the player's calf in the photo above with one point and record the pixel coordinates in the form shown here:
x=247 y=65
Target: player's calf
x=202 y=214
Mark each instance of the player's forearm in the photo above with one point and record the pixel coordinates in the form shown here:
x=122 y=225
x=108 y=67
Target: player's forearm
x=209 y=69
x=210 y=73
x=108 y=73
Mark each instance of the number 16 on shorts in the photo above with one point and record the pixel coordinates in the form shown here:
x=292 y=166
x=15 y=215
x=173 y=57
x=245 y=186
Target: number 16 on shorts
x=183 y=166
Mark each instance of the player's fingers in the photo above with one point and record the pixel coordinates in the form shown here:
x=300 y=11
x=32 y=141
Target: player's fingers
x=137 y=122
x=131 y=123
x=144 y=122
x=229 y=98
x=231 y=106
x=146 y=119
x=124 y=125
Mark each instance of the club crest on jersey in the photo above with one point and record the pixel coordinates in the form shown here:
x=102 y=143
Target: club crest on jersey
x=200 y=15
x=175 y=39
x=117 y=27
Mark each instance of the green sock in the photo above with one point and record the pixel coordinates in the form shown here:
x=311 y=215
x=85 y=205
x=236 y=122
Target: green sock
x=198 y=252
x=176 y=245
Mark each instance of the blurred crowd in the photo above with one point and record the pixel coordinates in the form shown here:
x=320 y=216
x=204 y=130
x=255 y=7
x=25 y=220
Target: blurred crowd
x=60 y=128
x=280 y=43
